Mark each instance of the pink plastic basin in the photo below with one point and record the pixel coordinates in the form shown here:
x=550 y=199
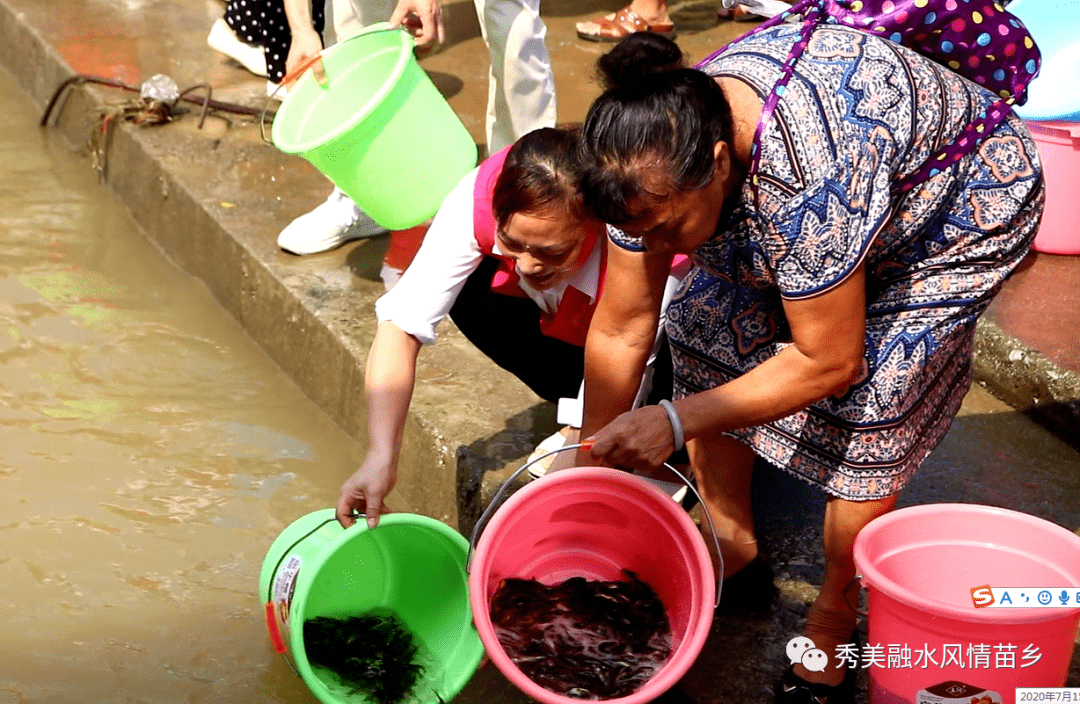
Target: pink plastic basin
x=1059 y=147
x=919 y=565
x=593 y=522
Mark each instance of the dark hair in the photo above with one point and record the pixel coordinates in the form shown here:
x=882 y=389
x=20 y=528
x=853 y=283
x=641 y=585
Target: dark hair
x=655 y=115
x=542 y=172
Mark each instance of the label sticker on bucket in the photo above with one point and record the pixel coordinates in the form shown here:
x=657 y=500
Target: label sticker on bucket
x=284 y=586
x=953 y=691
x=285 y=580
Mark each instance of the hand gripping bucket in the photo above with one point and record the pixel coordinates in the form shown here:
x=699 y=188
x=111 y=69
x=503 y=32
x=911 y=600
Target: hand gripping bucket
x=927 y=567
x=411 y=564
x=593 y=522
x=369 y=118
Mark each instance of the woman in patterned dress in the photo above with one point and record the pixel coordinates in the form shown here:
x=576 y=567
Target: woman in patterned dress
x=828 y=325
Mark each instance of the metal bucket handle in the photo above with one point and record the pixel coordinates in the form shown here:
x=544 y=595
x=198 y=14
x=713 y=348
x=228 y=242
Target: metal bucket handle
x=855 y=607
x=276 y=637
x=486 y=515
x=315 y=63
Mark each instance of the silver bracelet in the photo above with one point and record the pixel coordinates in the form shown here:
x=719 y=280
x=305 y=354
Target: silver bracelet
x=676 y=424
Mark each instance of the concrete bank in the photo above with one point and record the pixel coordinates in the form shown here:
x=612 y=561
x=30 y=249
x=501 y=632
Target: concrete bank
x=213 y=199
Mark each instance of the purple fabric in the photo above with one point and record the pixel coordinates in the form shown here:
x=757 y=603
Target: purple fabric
x=978 y=39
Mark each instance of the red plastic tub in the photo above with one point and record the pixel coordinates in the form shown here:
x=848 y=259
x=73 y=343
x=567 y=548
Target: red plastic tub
x=594 y=522
x=923 y=566
x=1059 y=147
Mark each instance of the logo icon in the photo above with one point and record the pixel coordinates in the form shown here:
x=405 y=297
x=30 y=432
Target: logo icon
x=801 y=649
x=982 y=596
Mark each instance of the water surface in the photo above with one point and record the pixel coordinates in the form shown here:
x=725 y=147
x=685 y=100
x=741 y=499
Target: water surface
x=149 y=454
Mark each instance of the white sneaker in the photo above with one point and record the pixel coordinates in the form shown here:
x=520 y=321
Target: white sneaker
x=330 y=225
x=276 y=91
x=676 y=490
x=223 y=39
x=565 y=436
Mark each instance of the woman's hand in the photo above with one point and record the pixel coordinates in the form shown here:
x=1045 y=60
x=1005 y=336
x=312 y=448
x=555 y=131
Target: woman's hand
x=639 y=439
x=303 y=46
x=422 y=18
x=365 y=490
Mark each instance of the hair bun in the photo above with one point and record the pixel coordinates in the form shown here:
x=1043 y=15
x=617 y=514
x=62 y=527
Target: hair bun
x=639 y=55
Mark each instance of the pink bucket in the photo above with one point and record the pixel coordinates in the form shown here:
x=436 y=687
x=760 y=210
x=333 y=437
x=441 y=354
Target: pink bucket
x=1059 y=147
x=926 y=567
x=593 y=522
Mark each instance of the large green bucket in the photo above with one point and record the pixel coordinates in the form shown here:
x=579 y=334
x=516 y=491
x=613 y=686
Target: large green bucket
x=372 y=122
x=410 y=564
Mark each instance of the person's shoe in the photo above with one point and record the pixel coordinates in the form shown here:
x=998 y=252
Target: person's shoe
x=792 y=689
x=750 y=590
x=276 y=91
x=330 y=225
x=223 y=39
x=674 y=488
x=752 y=10
x=540 y=467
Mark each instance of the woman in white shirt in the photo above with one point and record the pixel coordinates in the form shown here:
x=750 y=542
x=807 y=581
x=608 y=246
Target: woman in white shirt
x=518 y=264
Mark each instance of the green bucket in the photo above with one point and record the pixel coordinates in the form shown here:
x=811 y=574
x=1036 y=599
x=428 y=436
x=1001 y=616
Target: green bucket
x=372 y=122
x=410 y=564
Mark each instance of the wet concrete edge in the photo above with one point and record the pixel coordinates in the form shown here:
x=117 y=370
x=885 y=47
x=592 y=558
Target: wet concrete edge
x=1028 y=381
x=310 y=327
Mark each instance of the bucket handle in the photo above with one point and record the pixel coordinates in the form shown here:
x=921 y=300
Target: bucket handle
x=272 y=628
x=855 y=607
x=318 y=70
x=486 y=515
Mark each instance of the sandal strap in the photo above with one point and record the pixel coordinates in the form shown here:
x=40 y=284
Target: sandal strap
x=625 y=19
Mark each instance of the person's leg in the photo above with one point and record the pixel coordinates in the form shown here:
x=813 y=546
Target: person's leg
x=337 y=220
x=832 y=617
x=521 y=85
x=652 y=11
x=241 y=34
x=723 y=468
x=347 y=17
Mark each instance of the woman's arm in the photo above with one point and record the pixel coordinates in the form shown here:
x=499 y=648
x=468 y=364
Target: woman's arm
x=390 y=377
x=408 y=314
x=621 y=335
x=826 y=357
x=305 y=41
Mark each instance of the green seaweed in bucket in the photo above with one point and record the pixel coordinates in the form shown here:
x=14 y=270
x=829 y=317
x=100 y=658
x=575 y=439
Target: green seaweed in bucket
x=373 y=655
x=583 y=638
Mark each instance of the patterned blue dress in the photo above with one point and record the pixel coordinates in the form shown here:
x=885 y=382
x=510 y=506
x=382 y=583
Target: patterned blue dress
x=859 y=113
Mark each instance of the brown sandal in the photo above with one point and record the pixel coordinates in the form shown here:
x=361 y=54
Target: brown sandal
x=624 y=23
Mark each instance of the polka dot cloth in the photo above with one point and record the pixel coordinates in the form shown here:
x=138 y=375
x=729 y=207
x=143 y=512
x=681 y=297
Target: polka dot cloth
x=976 y=38
x=263 y=23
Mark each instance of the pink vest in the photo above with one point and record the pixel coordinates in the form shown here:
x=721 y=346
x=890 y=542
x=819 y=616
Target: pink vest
x=570 y=322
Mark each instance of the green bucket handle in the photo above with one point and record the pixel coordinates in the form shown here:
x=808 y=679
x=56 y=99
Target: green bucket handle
x=318 y=70
x=486 y=515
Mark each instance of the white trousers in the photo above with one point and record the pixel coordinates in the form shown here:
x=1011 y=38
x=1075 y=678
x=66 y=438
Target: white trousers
x=345 y=18
x=521 y=86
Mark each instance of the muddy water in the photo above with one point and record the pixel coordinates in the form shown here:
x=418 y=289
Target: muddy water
x=149 y=454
